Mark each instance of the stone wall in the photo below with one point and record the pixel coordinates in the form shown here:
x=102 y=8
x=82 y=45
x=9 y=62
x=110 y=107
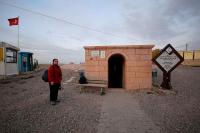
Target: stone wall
x=137 y=65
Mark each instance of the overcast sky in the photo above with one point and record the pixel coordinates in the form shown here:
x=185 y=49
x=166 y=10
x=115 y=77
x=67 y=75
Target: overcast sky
x=98 y=22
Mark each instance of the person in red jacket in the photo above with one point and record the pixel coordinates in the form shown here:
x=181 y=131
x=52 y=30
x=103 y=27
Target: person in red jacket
x=54 y=77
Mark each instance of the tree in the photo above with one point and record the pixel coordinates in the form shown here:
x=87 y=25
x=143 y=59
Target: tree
x=155 y=52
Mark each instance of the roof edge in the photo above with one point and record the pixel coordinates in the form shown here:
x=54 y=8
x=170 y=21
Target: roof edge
x=120 y=46
x=8 y=45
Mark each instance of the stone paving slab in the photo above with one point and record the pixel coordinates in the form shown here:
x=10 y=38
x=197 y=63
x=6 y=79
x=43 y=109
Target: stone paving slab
x=121 y=113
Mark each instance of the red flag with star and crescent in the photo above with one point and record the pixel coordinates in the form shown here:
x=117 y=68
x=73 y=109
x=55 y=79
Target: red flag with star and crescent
x=13 y=21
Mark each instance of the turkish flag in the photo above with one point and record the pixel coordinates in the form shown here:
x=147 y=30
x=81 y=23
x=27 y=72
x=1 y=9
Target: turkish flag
x=13 y=21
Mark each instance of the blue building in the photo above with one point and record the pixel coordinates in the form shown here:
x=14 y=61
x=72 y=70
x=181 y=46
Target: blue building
x=25 y=61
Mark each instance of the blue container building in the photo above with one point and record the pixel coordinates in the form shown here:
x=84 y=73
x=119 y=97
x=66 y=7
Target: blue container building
x=25 y=61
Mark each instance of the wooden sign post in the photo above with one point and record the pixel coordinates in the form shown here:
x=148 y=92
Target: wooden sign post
x=167 y=60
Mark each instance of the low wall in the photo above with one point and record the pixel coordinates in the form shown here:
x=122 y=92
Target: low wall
x=190 y=55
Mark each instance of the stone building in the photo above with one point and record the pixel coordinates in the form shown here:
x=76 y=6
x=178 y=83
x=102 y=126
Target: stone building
x=126 y=66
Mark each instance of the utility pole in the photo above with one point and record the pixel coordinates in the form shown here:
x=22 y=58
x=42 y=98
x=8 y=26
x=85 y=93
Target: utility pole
x=186 y=47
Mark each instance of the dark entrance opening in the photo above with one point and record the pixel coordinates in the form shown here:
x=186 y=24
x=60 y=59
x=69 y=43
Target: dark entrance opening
x=115 y=71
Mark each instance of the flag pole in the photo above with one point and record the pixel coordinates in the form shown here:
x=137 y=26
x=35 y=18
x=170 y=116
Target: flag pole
x=18 y=31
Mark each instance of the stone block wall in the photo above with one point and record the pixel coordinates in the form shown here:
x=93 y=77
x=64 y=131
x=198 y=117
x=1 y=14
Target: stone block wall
x=137 y=66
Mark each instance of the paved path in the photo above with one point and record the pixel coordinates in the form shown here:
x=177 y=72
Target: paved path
x=121 y=113
x=68 y=81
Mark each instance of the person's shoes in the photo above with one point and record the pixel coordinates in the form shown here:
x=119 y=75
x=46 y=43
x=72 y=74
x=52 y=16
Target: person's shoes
x=53 y=103
x=57 y=101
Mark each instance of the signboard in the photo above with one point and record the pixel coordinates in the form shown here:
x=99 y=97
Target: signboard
x=1 y=54
x=95 y=53
x=167 y=60
x=102 y=54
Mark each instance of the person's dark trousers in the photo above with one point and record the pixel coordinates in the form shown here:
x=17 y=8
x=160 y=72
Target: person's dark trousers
x=54 y=92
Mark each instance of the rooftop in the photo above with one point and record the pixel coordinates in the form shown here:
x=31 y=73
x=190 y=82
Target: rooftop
x=120 y=46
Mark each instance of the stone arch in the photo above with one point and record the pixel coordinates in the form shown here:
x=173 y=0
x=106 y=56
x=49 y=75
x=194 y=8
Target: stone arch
x=114 y=53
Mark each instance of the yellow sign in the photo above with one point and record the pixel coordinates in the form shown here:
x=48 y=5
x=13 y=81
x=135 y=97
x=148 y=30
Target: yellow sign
x=188 y=55
x=1 y=54
x=197 y=54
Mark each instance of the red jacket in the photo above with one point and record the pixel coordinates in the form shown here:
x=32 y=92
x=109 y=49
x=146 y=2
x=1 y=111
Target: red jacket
x=54 y=74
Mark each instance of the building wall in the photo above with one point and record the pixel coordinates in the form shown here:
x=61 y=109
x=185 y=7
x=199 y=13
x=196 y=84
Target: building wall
x=2 y=68
x=137 y=65
x=188 y=55
x=197 y=54
x=7 y=68
x=11 y=69
x=1 y=54
x=181 y=53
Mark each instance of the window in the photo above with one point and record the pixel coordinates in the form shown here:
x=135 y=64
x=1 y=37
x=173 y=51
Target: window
x=11 y=56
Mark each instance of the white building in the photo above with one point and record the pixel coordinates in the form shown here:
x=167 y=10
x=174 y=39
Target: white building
x=8 y=59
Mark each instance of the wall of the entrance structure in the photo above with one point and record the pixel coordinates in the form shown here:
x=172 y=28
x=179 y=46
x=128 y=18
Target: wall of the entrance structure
x=137 y=65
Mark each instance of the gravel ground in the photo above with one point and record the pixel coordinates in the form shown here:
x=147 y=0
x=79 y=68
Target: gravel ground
x=25 y=107
x=176 y=113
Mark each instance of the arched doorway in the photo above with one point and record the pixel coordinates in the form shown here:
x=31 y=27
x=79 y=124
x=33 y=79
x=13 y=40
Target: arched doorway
x=115 y=71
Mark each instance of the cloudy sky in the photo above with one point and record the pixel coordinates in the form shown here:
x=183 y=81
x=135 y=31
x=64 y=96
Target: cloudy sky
x=60 y=28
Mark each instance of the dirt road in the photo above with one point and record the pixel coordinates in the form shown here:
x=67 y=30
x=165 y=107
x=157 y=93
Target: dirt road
x=25 y=107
